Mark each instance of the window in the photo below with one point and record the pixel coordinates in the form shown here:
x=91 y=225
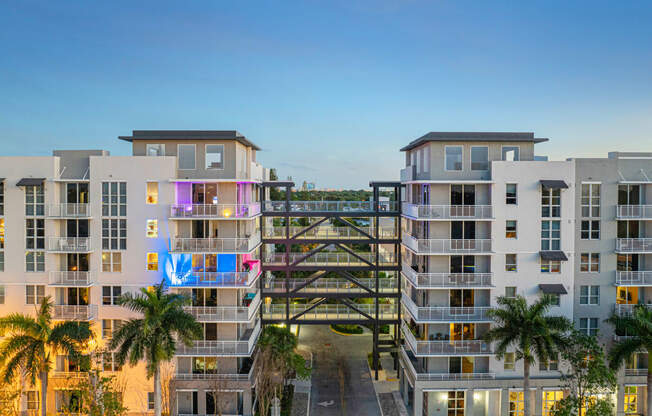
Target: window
x=109 y=362
x=590 y=230
x=589 y=295
x=152 y=193
x=550 y=365
x=510 y=291
x=109 y=327
x=152 y=149
x=550 y=266
x=631 y=400
x=150 y=400
x=2 y=243
x=2 y=295
x=629 y=194
x=550 y=235
x=508 y=361
x=510 y=229
x=112 y=261
x=35 y=234
x=479 y=158
x=510 y=262
x=35 y=261
x=453 y=157
x=589 y=326
x=152 y=228
x=516 y=404
x=32 y=400
x=2 y=261
x=556 y=299
x=511 y=194
x=186 y=159
x=550 y=202
x=550 y=398
x=204 y=365
x=511 y=153
x=34 y=294
x=590 y=262
x=2 y=198
x=111 y=295
x=152 y=261
x=210 y=331
x=590 y=200
x=34 y=201
x=114 y=199
x=114 y=234
x=455 y=402
x=214 y=156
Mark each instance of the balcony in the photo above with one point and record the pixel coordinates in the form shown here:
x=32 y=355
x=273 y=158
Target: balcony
x=638 y=278
x=328 y=312
x=214 y=211
x=68 y=278
x=416 y=373
x=226 y=313
x=224 y=348
x=74 y=312
x=447 y=280
x=409 y=173
x=446 y=246
x=69 y=244
x=427 y=314
x=330 y=206
x=219 y=279
x=214 y=245
x=637 y=212
x=68 y=375
x=330 y=232
x=332 y=259
x=257 y=172
x=422 y=348
x=330 y=285
x=69 y=211
x=634 y=245
x=447 y=212
x=624 y=309
x=636 y=372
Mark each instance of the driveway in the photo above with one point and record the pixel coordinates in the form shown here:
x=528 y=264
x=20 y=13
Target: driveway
x=340 y=374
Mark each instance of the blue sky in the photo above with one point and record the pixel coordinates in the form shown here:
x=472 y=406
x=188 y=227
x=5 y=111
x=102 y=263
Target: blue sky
x=329 y=89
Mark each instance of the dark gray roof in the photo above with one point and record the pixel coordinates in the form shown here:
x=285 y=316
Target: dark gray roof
x=553 y=184
x=553 y=288
x=189 y=135
x=553 y=255
x=30 y=182
x=462 y=136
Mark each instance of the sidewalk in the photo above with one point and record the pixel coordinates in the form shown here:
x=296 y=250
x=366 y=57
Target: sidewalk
x=386 y=388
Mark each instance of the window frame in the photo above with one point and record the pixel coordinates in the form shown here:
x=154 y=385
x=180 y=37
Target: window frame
x=194 y=150
x=510 y=296
x=150 y=264
x=507 y=197
x=508 y=232
x=149 y=145
x=589 y=205
x=111 y=263
x=588 y=233
x=111 y=297
x=471 y=159
x=120 y=201
x=148 y=198
x=509 y=364
x=502 y=153
x=550 y=195
x=37 y=263
x=589 y=329
x=591 y=298
x=206 y=156
x=151 y=232
x=515 y=264
x=550 y=239
x=37 y=298
x=587 y=266
x=446 y=158
x=550 y=266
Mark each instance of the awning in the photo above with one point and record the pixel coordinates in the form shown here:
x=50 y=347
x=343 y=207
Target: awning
x=553 y=184
x=553 y=289
x=30 y=182
x=553 y=255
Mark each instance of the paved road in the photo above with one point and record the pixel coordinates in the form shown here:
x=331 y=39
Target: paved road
x=340 y=372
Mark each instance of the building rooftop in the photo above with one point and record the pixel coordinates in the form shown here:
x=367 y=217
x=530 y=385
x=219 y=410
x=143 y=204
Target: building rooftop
x=465 y=136
x=189 y=135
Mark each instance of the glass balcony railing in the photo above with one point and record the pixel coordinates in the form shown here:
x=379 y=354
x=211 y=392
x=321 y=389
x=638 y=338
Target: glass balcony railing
x=331 y=285
x=327 y=232
x=331 y=259
x=74 y=312
x=330 y=206
x=326 y=312
x=415 y=373
x=215 y=245
x=222 y=211
x=447 y=212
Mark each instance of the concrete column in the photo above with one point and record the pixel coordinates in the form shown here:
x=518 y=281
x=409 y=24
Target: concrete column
x=247 y=402
x=468 y=402
x=504 y=402
x=418 y=401
x=538 y=401
x=620 y=399
x=201 y=402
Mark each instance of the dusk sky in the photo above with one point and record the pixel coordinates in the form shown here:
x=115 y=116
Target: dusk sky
x=329 y=89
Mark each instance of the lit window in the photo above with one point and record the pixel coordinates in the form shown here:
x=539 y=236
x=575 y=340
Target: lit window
x=590 y=262
x=631 y=400
x=153 y=149
x=109 y=362
x=152 y=261
x=186 y=156
x=589 y=295
x=510 y=262
x=34 y=294
x=454 y=158
x=550 y=398
x=508 y=361
x=112 y=261
x=590 y=200
x=510 y=229
x=516 y=404
x=214 y=156
x=32 y=400
x=152 y=228
x=590 y=230
x=479 y=158
x=510 y=292
x=550 y=266
x=152 y=193
x=511 y=194
x=455 y=402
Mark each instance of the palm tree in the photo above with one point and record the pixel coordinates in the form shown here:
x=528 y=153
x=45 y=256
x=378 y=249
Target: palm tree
x=638 y=330
x=152 y=338
x=32 y=343
x=533 y=334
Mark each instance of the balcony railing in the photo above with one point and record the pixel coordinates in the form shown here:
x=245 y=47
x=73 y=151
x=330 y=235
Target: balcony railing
x=446 y=313
x=634 y=212
x=409 y=173
x=421 y=376
x=69 y=244
x=446 y=246
x=214 y=245
x=75 y=312
x=218 y=279
x=638 y=278
x=326 y=232
x=636 y=372
x=224 y=211
x=624 y=309
x=326 y=312
x=225 y=313
x=634 y=245
x=68 y=375
x=69 y=210
x=447 y=212
x=444 y=280
x=243 y=347
x=331 y=285
x=332 y=259
x=330 y=206
x=427 y=348
x=68 y=278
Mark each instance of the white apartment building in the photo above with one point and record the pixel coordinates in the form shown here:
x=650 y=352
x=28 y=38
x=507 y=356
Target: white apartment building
x=85 y=227
x=484 y=217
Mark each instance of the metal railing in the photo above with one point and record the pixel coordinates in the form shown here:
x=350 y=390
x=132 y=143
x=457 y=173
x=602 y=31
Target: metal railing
x=225 y=313
x=66 y=210
x=331 y=285
x=638 y=278
x=441 y=280
x=445 y=313
x=330 y=311
x=214 y=245
x=74 y=312
x=69 y=374
x=436 y=246
x=636 y=372
x=634 y=211
x=69 y=244
x=624 y=309
x=68 y=278
x=634 y=245
x=447 y=212
x=330 y=206
x=335 y=259
x=219 y=279
x=441 y=376
x=422 y=348
x=214 y=210
x=330 y=232
x=242 y=347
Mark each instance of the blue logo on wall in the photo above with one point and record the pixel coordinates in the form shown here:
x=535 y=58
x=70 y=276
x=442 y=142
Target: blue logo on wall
x=178 y=268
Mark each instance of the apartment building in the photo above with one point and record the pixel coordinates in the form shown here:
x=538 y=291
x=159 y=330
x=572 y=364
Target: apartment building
x=85 y=227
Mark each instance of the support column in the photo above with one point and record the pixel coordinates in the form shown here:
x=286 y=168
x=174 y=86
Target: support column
x=538 y=401
x=468 y=402
x=201 y=402
x=247 y=402
x=418 y=401
x=504 y=402
x=620 y=398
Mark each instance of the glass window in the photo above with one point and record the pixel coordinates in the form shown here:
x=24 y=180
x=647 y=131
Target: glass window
x=453 y=157
x=153 y=149
x=550 y=398
x=35 y=261
x=511 y=194
x=629 y=194
x=34 y=201
x=589 y=295
x=550 y=202
x=114 y=234
x=509 y=361
x=32 y=400
x=34 y=294
x=510 y=229
x=590 y=200
x=114 y=199
x=590 y=262
x=214 y=156
x=2 y=198
x=479 y=158
x=152 y=193
x=516 y=404
x=152 y=261
x=511 y=153
x=550 y=365
x=590 y=230
x=111 y=295
x=150 y=400
x=631 y=400
x=2 y=295
x=152 y=228
x=109 y=362
x=510 y=262
x=35 y=234
x=455 y=402
x=550 y=266
x=2 y=244
x=186 y=157
x=111 y=261
x=589 y=326
x=550 y=235
x=510 y=291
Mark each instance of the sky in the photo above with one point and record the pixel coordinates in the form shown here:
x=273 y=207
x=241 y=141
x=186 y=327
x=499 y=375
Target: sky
x=330 y=90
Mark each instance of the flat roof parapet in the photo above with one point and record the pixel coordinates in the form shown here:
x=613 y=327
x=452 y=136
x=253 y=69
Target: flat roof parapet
x=189 y=135
x=466 y=136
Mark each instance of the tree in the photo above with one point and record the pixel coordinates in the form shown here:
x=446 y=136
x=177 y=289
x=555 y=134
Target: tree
x=99 y=395
x=32 y=343
x=152 y=338
x=276 y=361
x=637 y=328
x=533 y=334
